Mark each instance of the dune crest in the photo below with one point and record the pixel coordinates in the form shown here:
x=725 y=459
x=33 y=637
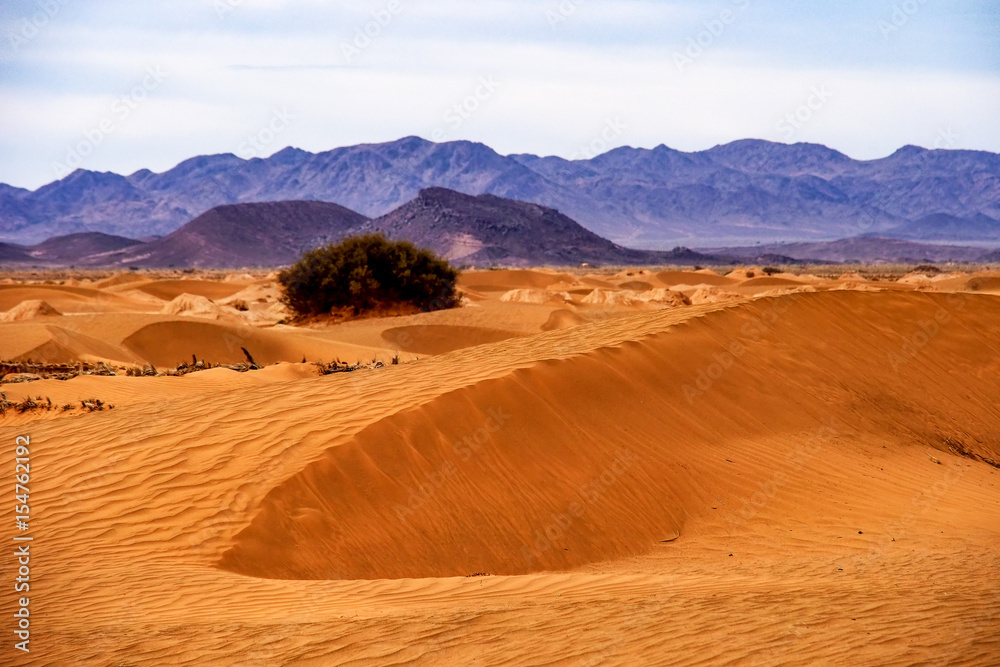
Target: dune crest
x=193 y=306
x=495 y=478
x=28 y=310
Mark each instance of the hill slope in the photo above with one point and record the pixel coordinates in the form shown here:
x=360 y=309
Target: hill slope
x=246 y=235
x=74 y=247
x=486 y=230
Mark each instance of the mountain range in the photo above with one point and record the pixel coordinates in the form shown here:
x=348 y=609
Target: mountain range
x=742 y=193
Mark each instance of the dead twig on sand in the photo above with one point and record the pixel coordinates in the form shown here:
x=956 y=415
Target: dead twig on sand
x=253 y=364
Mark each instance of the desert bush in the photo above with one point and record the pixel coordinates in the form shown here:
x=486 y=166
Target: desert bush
x=241 y=305
x=771 y=270
x=366 y=273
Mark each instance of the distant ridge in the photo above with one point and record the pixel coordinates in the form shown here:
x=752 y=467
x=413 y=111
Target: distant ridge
x=860 y=250
x=742 y=193
x=472 y=231
x=477 y=231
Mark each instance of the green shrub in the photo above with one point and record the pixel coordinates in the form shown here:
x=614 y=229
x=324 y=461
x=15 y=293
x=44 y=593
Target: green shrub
x=366 y=273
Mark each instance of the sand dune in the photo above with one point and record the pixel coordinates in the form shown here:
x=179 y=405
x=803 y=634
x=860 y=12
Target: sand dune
x=170 y=343
x=496 y=462
x=562 y=319
x=439 y=339
x=29 y=310
x=503 y=281
x=63 y=298
x=193 y=306
x=693 y=278
x=168 y=290
x=806 y=478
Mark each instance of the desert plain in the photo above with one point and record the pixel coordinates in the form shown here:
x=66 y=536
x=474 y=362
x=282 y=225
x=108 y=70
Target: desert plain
x=581 y=467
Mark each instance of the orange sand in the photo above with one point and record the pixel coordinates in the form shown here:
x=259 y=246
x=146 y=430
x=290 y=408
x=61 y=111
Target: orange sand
x=794 y=479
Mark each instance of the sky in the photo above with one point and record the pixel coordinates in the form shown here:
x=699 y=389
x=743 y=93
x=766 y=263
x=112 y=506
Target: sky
x=109 y=85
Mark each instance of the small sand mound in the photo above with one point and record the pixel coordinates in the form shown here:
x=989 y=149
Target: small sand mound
x=636 y=286
x=239 y=278
x=536 y=296
x=745 y=273
x=562 y=319
x=192 y=305
x=856 y=286
x=605 y=297
x=28 y=310
x=782 y=291
x=119 y=279
x=710 y=294
x=915 y=278
x=254 y=294
x=267 y=314
x=501 y=281
x=771 y=281
x=664 y=297
x=983 y=283
x=701 y=277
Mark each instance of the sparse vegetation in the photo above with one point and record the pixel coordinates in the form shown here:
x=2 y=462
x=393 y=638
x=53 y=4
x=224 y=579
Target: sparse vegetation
x=929 y=269
x=18 y=372
x=40 y=404
x=339 y=366
x=27 y=404
x=93 y=405
x=771 y=270
x=241 y=305
x=368 y=273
